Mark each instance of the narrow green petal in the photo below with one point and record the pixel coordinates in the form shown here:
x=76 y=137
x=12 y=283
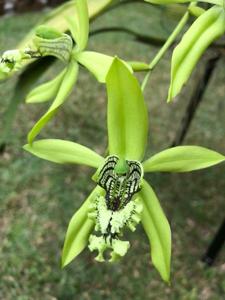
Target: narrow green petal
x=73 y=26
x=127 y=113
x=46 y=91
x=79 y=24
x=79 y=230
x=64 y=152
x=65 y=89
x=158 y=231
x=83 y=23
x=182 y=159
x=203 y=32
x=25 y=83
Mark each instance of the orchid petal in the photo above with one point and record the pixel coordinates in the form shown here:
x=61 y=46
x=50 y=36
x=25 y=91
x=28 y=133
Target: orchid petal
x=65 y=89
x=64 y=152
x=182 y=159
x=79 y=230
x=98 y=64
x=157 y=229
x=127 y=113
x=79 y=24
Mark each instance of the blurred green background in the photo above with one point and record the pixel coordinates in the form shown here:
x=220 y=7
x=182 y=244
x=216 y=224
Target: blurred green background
x=38 y=198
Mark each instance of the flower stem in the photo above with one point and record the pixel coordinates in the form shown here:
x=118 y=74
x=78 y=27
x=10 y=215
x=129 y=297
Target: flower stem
x=167 y=45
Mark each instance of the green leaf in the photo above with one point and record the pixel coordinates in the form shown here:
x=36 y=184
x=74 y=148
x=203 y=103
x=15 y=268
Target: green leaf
x=64 y=152
x=127 y=113
x=157 y=229
x=207 y=28
x=46 y=91
x=182 y=159
x=98 y=64
x=65 y=89
x=79 y=230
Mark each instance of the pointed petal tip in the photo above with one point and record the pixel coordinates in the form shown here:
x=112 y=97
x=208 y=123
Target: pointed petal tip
x=63 y=265
x=166 y=278
x=27 y=147
x=170 y=95
x=64 y=262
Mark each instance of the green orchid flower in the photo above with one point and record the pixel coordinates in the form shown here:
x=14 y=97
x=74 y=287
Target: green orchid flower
x=47 y=41
x=50 y=42
x=122 y=197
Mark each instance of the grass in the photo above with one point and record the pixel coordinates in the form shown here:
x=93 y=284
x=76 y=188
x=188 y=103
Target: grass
x=37 y=198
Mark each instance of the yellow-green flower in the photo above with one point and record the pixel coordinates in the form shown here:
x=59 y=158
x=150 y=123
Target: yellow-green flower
x=122 y=197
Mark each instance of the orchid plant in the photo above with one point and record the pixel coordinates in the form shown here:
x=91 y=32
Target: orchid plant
x=122 y=198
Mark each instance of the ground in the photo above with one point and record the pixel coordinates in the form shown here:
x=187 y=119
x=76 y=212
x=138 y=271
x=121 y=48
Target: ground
x=38 y=198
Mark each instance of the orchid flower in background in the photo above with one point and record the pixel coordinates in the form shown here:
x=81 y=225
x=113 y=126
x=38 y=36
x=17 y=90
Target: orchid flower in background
x=122 y=197
x=48 y=41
